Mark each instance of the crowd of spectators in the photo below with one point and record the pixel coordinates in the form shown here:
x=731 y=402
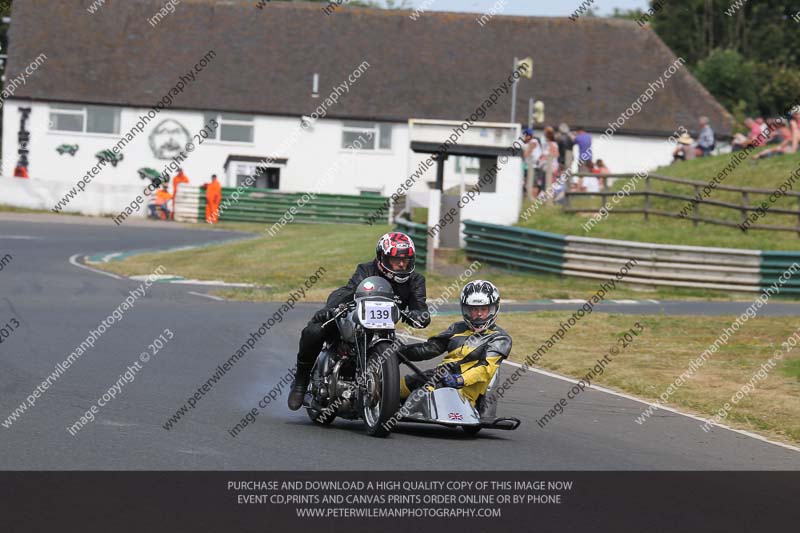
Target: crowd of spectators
x=545 y=158
x=783 y=134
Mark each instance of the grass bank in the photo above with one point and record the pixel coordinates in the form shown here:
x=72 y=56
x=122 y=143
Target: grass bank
x=765 y=174
x=656 y=357
x=281 y=263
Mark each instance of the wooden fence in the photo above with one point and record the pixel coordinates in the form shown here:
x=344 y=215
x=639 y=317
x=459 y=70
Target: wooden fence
x=744 y=207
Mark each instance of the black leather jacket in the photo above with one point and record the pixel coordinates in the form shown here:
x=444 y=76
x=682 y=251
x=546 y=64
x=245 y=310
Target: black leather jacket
x=412 y=293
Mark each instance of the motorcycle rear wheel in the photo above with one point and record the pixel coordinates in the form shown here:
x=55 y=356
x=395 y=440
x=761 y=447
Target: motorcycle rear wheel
x=382 y=399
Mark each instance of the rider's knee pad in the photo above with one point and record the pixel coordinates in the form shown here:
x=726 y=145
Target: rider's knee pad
x=405 y=392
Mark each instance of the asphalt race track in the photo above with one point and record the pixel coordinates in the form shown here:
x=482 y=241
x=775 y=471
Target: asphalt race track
x=57 y=304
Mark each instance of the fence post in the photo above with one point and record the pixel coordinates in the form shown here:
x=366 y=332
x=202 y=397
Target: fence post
x=798 y=216
x=696 y=206
x=647 y=197
x=745 y=205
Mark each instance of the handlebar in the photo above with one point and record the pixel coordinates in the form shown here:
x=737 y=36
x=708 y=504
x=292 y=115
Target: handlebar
x=411 y=320
x=342 y=309
x=345 y=307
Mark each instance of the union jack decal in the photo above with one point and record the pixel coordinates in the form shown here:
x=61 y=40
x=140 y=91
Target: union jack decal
x=455 y=416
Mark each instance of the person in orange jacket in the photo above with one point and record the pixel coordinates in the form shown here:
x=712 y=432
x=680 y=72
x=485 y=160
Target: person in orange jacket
x=213 y=199
x=162 y=199
x=177 y=180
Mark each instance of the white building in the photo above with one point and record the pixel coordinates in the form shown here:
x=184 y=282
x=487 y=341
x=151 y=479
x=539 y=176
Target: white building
x=260 y=73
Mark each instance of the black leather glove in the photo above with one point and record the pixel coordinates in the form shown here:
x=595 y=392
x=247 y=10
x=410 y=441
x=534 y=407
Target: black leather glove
x=323 y=315
x=417 y=319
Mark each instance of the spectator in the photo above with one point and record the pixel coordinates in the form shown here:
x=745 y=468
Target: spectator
x=783 y=136
x=534 y=181
x=565 y=144
x=756 y=136
x=161 y=203
x=549 y=158
x=179 y=178
x=773 y=134
x=213 y=199
x=705 y=141
x=765 y=130
x=795 y=128
x=584 y=142
x=741 y=142
x=684 y=151
x=600 y=168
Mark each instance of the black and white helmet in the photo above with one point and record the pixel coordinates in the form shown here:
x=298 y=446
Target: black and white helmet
x=480 y=293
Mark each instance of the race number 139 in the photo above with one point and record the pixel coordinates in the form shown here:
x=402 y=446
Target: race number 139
x=378 y=314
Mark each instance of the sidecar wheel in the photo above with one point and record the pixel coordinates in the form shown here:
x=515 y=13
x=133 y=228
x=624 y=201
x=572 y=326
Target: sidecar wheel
x=471 y=430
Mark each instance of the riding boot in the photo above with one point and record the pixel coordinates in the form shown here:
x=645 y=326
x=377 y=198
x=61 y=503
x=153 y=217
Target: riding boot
x=300 y=385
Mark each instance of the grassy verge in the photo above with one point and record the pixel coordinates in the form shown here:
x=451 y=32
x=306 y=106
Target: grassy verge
x=658 y=356
x=13 y=209
x=283 y=262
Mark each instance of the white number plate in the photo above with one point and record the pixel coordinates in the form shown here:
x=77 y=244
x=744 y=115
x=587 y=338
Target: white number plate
x=378 y=315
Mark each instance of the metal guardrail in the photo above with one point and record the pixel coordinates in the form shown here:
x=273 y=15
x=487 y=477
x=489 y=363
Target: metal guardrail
x=418 y=234
x=658 y=264
x=266 y=205
x=744 y=207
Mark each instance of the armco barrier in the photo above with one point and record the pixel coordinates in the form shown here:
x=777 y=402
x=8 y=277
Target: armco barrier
x=266 y=205
x=418 y=234
x=188 y=205
x=658 y=264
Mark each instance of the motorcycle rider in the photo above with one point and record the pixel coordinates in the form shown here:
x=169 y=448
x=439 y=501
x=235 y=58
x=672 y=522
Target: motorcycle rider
x=394 y=260
x=474 y=347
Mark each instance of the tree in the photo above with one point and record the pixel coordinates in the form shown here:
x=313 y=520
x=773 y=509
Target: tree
x=756 y=40
x=729 y=77
x=628 y=14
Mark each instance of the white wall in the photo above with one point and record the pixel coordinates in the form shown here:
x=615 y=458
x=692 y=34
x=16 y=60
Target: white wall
x=99 y=198
x=627 y=154
x=315 y=152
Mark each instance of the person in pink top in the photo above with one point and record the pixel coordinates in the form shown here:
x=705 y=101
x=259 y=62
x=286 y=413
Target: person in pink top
x=758 y=132
x=794 y=126
x=755 y=137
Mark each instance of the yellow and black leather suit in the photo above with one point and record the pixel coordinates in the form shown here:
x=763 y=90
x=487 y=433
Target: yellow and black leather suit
x=476 y=356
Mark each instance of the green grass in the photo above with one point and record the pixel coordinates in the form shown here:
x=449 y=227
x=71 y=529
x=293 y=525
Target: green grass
x=791 y=368
x=657 y=356
x=282 y=263
x=765 y=174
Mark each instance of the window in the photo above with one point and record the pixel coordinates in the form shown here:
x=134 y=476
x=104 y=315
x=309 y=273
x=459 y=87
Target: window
x=91 y=119
x=366 y=136
x=257 y=177
x=232 y=127
x=467 y=165
x=66 y=118
x=488 y=173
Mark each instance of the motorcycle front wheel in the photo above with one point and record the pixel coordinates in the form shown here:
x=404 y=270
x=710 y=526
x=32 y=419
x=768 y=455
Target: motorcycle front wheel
x=381 y=400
